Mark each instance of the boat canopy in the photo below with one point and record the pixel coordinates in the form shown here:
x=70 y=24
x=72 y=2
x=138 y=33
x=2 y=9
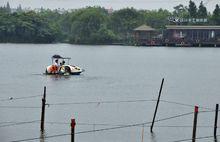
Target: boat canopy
x=56 y=56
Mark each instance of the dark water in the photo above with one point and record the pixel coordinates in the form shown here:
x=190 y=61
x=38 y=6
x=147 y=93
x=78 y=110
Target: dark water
x=113 y=73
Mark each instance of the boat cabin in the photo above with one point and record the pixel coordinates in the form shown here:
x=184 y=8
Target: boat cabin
x=58 y=57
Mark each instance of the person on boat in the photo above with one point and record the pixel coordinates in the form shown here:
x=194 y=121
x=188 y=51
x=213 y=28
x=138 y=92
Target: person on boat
x=62 y=67
x=62 y=63
x=56 y=64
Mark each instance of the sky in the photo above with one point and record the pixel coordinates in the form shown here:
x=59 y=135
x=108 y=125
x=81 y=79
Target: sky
x=114 y=4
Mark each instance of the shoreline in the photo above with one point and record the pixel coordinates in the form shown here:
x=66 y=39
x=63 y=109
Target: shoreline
x=157 y=46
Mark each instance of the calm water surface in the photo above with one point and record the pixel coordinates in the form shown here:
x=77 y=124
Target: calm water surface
x=113 y=73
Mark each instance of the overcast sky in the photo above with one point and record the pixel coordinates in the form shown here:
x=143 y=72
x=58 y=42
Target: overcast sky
x=115 y=4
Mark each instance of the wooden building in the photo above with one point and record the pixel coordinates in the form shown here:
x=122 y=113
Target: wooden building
x=145 y=35
x=179 y=35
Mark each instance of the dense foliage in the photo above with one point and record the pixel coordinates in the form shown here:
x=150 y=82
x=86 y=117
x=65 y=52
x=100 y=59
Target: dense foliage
x=26 y=27
x=202 y=12
x=91 y=25
x=216 y=15
x=192 y=9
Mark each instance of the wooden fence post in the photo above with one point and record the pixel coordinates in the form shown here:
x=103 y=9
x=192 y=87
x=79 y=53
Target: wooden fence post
x=43 y=110
x=73 y=124
x=216 y=120
x=196 y=110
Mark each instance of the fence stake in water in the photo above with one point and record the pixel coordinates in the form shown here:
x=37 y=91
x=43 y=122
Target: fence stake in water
x=216 y=120
x=73 y=124
x=196 y=110
x=142 y=134
x=158 y=100
x=43 y=110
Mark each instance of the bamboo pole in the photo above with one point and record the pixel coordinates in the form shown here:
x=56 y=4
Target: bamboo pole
x=216 y=120
x=155 y=112
x=43 y=110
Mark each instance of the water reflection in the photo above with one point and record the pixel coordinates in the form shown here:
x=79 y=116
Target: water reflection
x=153 y=137
x=42 y=136
x=216 y=139
x=58 y=77
x=53 y=77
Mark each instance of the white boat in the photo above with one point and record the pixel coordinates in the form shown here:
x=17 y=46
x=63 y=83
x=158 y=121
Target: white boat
x=63 y=68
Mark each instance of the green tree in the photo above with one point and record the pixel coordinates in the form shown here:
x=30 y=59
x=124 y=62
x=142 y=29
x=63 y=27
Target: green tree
x=103 y=36
x=26 y=27
x=53 y=18
x=123 y=21
x=180 y=11
x=19 y=9
x=192 y=9
x=202 y=12
x=8 y=8
x=156 y=18
x=87 y=25
x=5 y=9
x=216 y=15
x=65 y=23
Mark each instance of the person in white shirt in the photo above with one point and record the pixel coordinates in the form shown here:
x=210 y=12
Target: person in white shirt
x=56 y=63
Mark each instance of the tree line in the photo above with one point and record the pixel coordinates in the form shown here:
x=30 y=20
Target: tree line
x=91 y=25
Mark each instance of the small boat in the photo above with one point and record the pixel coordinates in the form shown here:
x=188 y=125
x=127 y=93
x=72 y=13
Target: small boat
x=61 y=68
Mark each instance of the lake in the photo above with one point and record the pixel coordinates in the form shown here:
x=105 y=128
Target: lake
x=118 y=88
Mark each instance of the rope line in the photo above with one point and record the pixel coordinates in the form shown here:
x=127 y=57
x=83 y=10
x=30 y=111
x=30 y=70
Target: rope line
x=89 y=131
x=19 y=98
x=176 y=116
x=19 y=107
x=20 y=123
x=102 y=102
x=37 y=138
x=134 y=125
x=113 y=125
x=105 y=129
x=121 y=125
x=128 y=101
x=190 y=139
x=183 y=104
